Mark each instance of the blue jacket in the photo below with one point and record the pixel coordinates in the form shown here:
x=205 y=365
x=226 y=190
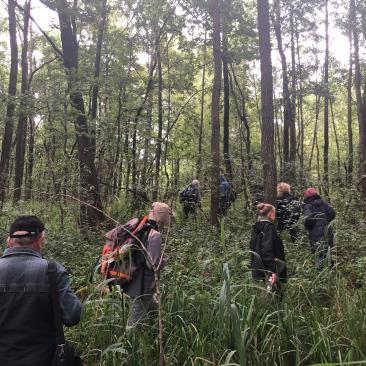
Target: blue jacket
x=27 y=332
x=224 y=188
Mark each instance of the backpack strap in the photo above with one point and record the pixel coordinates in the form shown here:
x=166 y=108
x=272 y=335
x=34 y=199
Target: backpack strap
x=56 y=310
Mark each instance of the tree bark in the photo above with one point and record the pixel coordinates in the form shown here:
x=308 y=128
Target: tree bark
x=288 y=118
x=326 y=106
x=361 y=105
x=10 y=108
x=226 y=121
x=292 y=123
x=215 y=114
x=349 y=110
x=267 y=141
x=160 y=126
x=21 y=133
x=95 y=91
x=88 y=174
x=200 y=133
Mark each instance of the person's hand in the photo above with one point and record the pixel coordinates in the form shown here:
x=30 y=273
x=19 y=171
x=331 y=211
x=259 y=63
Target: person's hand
x=273 y=279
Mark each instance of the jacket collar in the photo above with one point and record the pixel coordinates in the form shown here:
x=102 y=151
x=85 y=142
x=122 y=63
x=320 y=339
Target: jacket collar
x=21 y=251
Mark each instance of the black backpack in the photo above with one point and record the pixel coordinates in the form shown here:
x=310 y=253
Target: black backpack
x=188 y=194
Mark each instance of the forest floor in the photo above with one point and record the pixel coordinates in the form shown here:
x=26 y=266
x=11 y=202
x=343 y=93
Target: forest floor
x=212 y=312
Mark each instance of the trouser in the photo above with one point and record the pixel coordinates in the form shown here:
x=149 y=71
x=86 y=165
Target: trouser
x=224 y=206
x=189 y=208
x=320 y=250
x=140 y=308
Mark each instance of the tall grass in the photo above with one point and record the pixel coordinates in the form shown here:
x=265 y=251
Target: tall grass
x=212 y=312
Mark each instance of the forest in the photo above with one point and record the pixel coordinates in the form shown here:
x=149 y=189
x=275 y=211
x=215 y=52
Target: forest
x=107 y=106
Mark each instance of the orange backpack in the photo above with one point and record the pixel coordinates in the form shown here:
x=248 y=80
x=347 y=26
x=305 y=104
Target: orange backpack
x=122 y=247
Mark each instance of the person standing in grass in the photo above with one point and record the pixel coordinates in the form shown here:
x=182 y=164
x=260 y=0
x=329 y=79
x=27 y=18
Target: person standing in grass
x=142 y=287
x=190 y=198
x=27 y=330
x=288 y=211
x=318 y=216
x=267 y=251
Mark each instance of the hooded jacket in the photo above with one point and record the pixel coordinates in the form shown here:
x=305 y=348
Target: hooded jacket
x=318 y=214
x=267 y=247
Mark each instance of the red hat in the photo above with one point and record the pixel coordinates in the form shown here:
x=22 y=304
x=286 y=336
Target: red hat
x=309 y=192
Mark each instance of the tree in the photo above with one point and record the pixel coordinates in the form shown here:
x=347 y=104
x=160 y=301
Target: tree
x=267 y=142
x=326 y=105
x=361 y=103
x=89 y=184
x=215 y=113
x=225 y=68
x=10 y=108
x=21 y=133
x=288 y=112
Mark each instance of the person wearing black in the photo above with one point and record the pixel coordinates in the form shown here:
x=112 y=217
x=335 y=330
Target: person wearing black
x=267 y=251
x=288 y=211
x=190 y=198
x=27 y=328
x=318 y=215
x=227 y=195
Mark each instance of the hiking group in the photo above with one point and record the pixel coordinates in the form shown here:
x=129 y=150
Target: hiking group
x=36 y=297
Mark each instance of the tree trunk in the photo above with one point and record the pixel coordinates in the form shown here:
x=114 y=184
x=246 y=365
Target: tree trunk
x=301 y=111
x=242 y=114
x=292 y=124
x=349 y=111
x=361 y=105
x=200 y=134
x=267 y=143
x=226 y=145
x=21 y=133
x=288 y=118
x=215 y=113
x=95 y=91
x=326 y=106
x=88 y=174
x=10 y=108
x=160 y=126
x=336 y=142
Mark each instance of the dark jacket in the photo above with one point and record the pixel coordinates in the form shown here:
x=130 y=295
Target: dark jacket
x=318 y=214
x=268 y=246
x=27 y=332
x=190 y=194
x=288 y=211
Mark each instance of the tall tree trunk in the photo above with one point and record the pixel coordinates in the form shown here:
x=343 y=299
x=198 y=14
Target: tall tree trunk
x=292 y=122
x=317 y=112
x=10 y=108
x=301 y=111
x=215 y=113
x=336 y=142
x=160 y=126
x=200 y=133
x=326 y=106
x=361 y=105
x=349 y=110
x=95 y=91
x=287 y=109
x=226 y=145
x=267 y=143
x=30 y=126
x=88 y=174
x=21 y=133
x=242 y=114
x=30 y=161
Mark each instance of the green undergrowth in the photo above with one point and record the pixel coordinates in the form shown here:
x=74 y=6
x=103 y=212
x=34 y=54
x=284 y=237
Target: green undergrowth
x=212 y=312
